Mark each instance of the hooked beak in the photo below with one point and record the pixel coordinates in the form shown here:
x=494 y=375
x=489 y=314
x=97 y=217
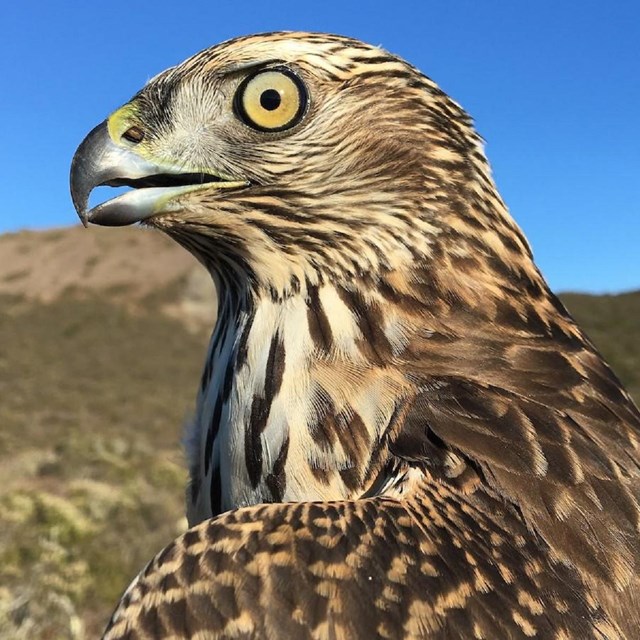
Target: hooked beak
x=100 y=161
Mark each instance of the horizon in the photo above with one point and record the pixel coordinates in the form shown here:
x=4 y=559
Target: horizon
x=552 y=91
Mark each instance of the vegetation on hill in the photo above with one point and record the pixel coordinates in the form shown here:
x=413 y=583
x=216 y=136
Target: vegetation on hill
x=92 y=477
x=613 y=324
x=94 y=388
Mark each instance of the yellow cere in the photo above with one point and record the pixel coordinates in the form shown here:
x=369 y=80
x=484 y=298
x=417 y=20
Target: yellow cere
x=119 y=121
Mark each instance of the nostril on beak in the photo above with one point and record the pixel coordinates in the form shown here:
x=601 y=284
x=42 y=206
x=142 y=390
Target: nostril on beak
x=134 y=135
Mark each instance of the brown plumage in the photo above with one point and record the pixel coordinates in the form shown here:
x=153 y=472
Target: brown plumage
x=400 y=431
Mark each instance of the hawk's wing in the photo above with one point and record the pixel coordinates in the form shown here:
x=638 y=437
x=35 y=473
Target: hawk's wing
x=547 y=426
x=440 y=567
x=574 y=478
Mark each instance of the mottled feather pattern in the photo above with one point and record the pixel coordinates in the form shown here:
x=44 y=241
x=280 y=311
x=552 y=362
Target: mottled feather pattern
x=400 y=431
x=442 y=567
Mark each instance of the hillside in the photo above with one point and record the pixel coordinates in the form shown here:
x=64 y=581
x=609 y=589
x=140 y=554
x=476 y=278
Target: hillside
x=102 y=337
x=613 y=324
x=102 y=340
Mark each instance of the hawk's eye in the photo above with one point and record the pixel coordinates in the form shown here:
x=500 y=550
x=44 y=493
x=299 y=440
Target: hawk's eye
x=271 y=100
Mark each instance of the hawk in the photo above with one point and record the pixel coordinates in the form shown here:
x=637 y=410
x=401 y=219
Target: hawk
x=400 y=432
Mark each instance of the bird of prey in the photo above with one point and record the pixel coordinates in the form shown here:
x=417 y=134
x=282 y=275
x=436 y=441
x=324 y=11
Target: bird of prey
x=400 y=431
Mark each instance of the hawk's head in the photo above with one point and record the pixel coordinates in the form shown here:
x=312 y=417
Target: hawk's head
x=292 y=158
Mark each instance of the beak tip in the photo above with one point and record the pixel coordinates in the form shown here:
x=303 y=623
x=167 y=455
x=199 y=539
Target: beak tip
x=86 y=172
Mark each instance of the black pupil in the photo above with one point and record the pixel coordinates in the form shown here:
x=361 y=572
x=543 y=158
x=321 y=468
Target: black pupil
x=270 y=99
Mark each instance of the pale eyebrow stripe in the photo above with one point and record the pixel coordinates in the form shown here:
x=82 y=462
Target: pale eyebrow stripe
x=244 y=66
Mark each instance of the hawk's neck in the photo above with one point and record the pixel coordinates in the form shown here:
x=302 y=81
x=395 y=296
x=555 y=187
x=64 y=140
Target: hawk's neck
x=304 y=383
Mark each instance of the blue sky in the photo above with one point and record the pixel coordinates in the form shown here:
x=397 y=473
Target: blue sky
x=553 y=86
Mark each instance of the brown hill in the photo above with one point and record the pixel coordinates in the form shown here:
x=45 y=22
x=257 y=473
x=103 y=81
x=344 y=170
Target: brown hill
x=44 y=265
x=102 y=338
x=126 y=265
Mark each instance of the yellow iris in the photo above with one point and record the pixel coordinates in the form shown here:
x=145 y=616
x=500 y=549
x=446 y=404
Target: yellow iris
x=272 y=100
